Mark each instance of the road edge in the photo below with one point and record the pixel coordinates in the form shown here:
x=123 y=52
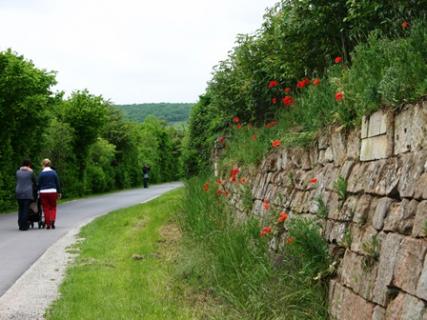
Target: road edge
x=38 y=287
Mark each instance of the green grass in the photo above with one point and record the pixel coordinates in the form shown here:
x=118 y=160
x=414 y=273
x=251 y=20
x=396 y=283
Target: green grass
x=107 y=282
x=234 y=263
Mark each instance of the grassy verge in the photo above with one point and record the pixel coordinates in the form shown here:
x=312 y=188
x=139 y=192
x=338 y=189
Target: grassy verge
x=126 y=267
x=232 y=259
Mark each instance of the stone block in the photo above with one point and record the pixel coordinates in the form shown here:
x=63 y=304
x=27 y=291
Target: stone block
x=344 y=213
x=297 y=203
x=329 y=156
x=377 y=136
x=388 y=180
x=338 y=145
x=365 y=127
x=379 y=313
x=412 y=167
x=421 y=187
x=345 y=170
x=420 y=222
x=335 y=231
x=314 y=156
x=272 y=163
x=321 y=156
x=410 y=260
x=422 y=283
x=410 y=129
x=374 y=148
x=400 y=217
x=323 y=141
x=363 y=208
x=306 y=164
x=377 y=124
x=286 y=162
x=371 y=177
x=314 y=206
x=405 y=307
x=356 y=276
x=353 y=145
x=336 y=298
x=257 y=208
x=355 y=183
x=260 y=193
x=349 y=306
x=381 y=210
x=388 y=257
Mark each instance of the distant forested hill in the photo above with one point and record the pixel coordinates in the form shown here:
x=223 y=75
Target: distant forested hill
x=171 y=112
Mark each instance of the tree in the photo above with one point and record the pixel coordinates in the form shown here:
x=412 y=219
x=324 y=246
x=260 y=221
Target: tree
x=86 y=115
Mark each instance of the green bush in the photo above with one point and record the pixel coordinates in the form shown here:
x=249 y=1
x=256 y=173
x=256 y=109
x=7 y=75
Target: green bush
x=383 y=46
x=384 y=72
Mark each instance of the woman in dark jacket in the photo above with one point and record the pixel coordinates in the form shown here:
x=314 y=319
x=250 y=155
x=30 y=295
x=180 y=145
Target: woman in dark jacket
x=49 y=190
x=25 y=184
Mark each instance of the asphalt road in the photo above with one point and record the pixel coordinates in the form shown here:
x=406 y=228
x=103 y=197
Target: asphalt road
x=19 y=250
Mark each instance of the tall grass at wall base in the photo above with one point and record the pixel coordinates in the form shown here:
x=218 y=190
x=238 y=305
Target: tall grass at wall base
x=231 y=260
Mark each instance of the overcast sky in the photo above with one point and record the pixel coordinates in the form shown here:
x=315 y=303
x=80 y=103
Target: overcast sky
x=129 y=51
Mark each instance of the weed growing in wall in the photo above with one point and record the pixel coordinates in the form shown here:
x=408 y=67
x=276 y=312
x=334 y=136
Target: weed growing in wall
x=372 y=250
x=340 y=186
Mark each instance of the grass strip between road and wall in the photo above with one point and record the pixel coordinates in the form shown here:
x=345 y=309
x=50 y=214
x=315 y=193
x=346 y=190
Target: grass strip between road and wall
x=125 y=268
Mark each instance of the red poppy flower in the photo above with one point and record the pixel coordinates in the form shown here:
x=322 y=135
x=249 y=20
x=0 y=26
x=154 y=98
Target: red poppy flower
x=236 y=119
x=264 y=231
x=287 y=90
x=274 y=100
x=239 y=126
x=220 y=181
x=282 y=217
x=271 y=124
x=313 y=181
x=276 y=143
x=219 y=192
x=221 y=139
x=301 y=84
x=243 y=180
x=316 y=82
x=266 y=204
x=233 y=174
x=338 y=59
x=339 y=96
x=405 y=25
x=206 y=187
x=290 y=240
x=253 y=138
x=306 y=81
x=272 y=84
x=288 y=101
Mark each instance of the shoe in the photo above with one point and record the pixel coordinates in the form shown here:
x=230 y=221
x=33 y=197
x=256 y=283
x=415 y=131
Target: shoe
x=48 y=226
x=53 y=224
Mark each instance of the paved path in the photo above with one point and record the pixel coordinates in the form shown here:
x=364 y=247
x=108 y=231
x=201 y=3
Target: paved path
x=19 y=250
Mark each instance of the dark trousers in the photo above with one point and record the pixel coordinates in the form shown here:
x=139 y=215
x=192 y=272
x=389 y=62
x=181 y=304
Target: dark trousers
x=145 y=182
x=23 y=208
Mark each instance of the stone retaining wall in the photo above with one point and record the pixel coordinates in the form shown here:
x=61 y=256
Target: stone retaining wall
x=378 y=232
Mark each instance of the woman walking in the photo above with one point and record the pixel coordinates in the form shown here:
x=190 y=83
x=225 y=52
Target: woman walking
x=25 y=187
x=49 y=190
